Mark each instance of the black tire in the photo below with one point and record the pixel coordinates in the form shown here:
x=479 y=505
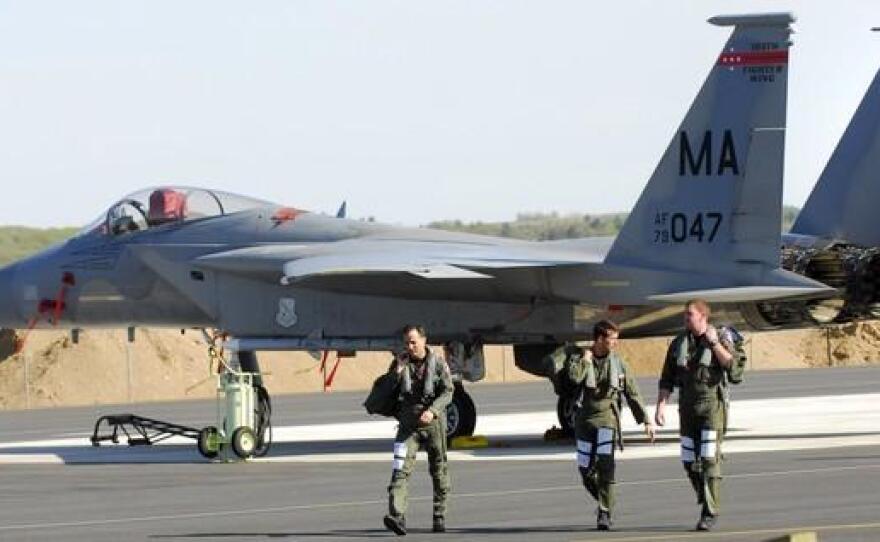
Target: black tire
x=461 y=415
x=207 y=443
x=244 y=442
x=566 y=409
x=263 y=421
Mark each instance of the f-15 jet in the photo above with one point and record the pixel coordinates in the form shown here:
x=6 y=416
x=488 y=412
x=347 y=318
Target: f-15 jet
x=275 y=277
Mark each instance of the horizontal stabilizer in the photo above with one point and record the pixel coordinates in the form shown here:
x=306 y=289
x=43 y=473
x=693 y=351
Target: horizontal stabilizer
x=797 y=289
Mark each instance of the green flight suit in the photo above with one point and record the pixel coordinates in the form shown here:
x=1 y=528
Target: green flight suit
x=692 y=367
x=602 y=384
x=424 y=385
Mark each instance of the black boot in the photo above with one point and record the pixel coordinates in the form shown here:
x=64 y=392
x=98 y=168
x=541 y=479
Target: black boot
x=397 y=525
x=707 y=522
x=603 y=520
x=439 y=524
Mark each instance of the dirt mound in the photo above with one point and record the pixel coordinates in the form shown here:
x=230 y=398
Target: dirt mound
x=850 y=344
x=103 y=367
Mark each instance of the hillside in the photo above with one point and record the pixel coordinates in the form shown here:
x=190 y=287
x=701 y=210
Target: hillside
x=16 y=242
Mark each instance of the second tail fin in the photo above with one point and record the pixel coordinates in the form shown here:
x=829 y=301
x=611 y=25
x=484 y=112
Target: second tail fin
x=843 y=204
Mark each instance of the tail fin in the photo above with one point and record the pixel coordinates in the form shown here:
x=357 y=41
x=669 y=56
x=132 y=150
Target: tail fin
x=843 y=204
x=716 y=195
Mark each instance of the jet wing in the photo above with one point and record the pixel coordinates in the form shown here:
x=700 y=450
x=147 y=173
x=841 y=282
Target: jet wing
x=428 y=259
x=357 y=264
x=426 y=267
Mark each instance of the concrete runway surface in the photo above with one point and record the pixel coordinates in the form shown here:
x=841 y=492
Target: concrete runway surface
x=803 y=453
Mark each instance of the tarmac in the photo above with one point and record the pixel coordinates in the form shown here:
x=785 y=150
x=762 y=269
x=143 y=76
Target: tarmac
x=803 y=454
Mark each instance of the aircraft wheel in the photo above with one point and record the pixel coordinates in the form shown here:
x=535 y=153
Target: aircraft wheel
x=244 y=442
x=209 y=442
x=461 y=414
x=263 y=417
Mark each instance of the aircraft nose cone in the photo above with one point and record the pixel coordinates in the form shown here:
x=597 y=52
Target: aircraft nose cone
x=9 y=316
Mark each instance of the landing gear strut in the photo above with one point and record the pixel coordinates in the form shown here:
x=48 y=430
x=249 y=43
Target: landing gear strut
x=262 y=429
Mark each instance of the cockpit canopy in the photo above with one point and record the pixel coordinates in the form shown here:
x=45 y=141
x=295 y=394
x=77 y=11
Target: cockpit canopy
x=156 y=207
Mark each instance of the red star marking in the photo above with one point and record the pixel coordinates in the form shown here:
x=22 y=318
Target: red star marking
x=286 y=214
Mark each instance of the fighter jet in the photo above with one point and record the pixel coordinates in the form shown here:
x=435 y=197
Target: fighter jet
x=274 y=277
x=836 y=237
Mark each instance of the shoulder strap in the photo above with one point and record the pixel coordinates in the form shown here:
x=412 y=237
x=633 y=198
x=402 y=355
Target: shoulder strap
x=589 y=381
x=617 y=364
x=615 y=370
x=430 y=374
x=406 y=381
x=679 y=348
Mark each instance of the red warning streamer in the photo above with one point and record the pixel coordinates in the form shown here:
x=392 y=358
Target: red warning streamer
x=54 y=307
x=328 y=384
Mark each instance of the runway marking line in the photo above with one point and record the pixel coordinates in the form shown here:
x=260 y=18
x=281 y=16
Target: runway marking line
x=324 y=506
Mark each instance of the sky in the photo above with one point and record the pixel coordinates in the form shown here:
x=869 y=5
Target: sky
x=413 y=111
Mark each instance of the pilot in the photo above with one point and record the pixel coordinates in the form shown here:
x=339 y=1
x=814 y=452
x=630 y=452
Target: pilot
x=166 y=205
x=425 y=391
x=695 y=363
x=603 y=378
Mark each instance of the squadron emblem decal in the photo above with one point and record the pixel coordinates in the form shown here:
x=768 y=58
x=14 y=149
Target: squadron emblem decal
x=286 y=316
